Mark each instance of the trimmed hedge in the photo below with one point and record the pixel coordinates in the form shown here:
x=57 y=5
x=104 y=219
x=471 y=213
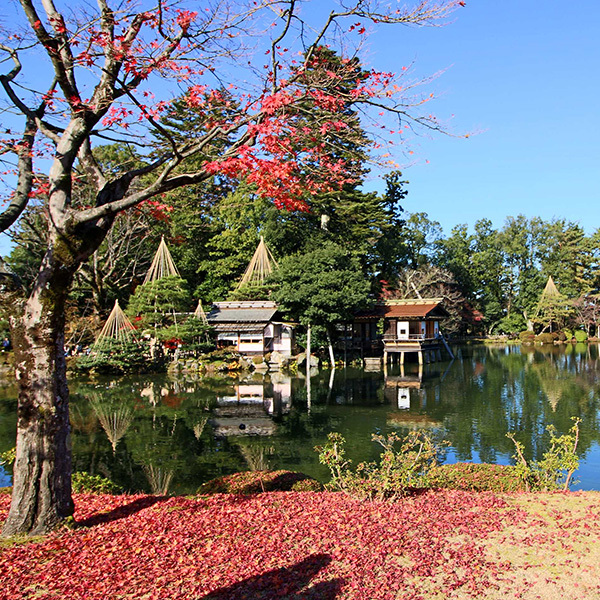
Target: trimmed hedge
x=255 y=482
x=527 y=337
x=477 y=477
x=545 y=338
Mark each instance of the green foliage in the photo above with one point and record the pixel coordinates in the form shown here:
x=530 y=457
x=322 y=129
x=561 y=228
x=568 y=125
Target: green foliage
x=8 y=458
x=251 y=292
x=512 y=323
x=321 y=287
x=194 y=335
x=333 y=455
x=559 y=462
x=84 y=483
x=118 y=357
x=156 y=301
x=581 y=336
x=527 y=337
x=545 y=338
x=4 y=328
x=476 y=477
x=255 y=482
x=568 y=334
x=404 y=465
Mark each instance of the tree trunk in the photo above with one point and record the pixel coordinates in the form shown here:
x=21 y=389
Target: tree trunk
x=331 y=353
x=41 y=497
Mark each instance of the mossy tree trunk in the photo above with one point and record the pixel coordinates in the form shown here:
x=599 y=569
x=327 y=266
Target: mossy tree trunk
x=41 y=497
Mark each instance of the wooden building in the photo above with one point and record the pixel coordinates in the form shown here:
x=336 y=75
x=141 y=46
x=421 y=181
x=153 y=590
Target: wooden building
x=396 y=327
x=251 y=327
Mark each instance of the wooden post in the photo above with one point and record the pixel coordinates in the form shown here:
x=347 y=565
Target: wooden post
x=308 y=398
x=402 y=358
x=420 y=357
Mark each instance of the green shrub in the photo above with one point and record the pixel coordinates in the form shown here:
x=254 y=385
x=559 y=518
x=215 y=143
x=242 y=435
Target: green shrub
x=404 y=465
x=545 y=338
x=555 y=470
x=307 y=485
x=527 y=337
x=255 y=482
x=568 y=334
x=562 y=337
x=84 y=483
x=476 y=477
x=116 y=357
x=581 y=336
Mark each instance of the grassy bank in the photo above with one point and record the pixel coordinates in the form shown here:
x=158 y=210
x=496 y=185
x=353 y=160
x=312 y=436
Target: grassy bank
x=292 y=545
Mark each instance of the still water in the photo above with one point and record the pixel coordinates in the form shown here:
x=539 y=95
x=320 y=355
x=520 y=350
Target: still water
x=160 y=434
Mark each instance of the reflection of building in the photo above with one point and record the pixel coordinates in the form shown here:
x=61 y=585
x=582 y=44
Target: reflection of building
x=251 y=327
x=250 y=410
x=397 y=389
x=400 y=389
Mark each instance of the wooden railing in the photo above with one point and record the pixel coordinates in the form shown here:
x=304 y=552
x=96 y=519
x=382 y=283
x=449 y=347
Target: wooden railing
x=413 y=337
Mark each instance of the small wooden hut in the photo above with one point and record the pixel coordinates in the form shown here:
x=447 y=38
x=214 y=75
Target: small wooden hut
x=251 y=327
x=409 y=326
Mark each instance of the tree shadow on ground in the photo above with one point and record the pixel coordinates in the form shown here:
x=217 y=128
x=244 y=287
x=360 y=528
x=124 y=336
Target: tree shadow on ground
x=121 y=512
x=286 y=583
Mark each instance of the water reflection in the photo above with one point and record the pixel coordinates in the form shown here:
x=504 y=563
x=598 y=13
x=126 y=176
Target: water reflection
x=251 y=409
x=169 y=435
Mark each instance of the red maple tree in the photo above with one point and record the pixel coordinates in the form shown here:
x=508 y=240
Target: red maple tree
x=79 y=77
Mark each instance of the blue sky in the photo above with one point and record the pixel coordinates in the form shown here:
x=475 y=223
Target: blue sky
x=525 y=75
x=522 y=77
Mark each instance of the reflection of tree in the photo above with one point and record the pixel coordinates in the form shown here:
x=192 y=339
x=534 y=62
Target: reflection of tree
x=554 y=380
x=161 y=447
x=256 y=454
x=199 y=427
x=115 y=420
x=158 y=478
x=495 y=390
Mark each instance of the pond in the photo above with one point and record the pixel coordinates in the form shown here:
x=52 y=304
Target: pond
x=159 y=434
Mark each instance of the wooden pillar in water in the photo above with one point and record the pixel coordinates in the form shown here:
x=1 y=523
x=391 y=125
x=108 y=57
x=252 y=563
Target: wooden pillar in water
x=420 y=357
x=402 y=358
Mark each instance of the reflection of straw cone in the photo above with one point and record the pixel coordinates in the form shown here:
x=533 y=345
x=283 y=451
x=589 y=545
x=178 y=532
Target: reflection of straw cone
x=115 y=422
x=158 y=478
x=255 y=456
x=199 y=427
x=553 y=397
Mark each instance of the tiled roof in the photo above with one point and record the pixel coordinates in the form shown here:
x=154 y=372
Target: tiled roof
x=241 y=312
x=414 y=310
x=239 y=327
x=404 y=309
